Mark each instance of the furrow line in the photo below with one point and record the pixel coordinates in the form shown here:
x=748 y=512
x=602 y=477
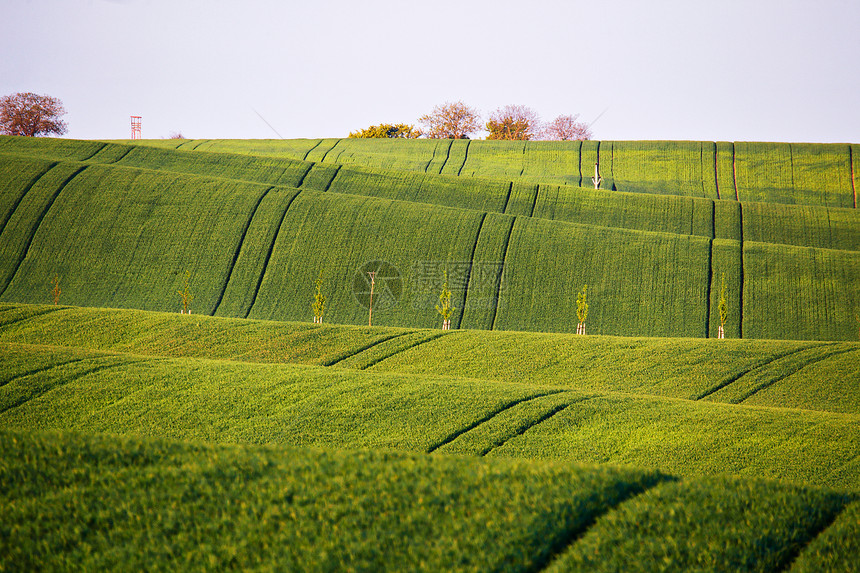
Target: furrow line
x=741 y=275
x=43 y=369
x=523 y=168
x=574 y=534
x=447 y=155
x=239 y=246
x=716 y=172
x=199 y=144
x=305 y=174
x=508 y=197
x=24 y=194
x=426 y=167
x=308 y=152
x=269 y=255
x=708 y=293
x=121 y=157
x=71 y=379
x=523 y=429
x=501 y=275
x=735 y=175
x=758 y=365
x=469 y=271
x=410 y=347
x=94 y=153
x=329 y=151
x=330 y=181
x=825 y=524
x=465 y=157
x=38 y=223
x=579 y=166
x=534 y=204
x=792 y=373
x=853 y=185
x=23 y=318
x=361 y=349
x=505 y=407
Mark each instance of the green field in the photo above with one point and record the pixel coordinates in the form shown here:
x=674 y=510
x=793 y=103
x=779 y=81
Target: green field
x=254 y=231
x=242 y=436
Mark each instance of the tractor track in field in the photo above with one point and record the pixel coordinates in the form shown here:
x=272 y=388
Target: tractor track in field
x=523 y=429
x=716 y=171
x=38 y=223
x=329 y=151
x=735 y=174
x=574 y=534
x=42 y=369
x=341 y=357
x=501 y=275
x=853 y=185
x=308 y=152
x=465 y=157
x=469 y=271
x=67 y=381
x=121 y=157
x=813 y=534
x=782 y=377
x=534 y=203
x=269 y=254
x=447 y=156
x=710 y=281
x=94 y=153
x=504 y=408
x=304 y=175
x=508 y=197
x=741 y=271
x=238 y=250
x=429 y=338
x=27 y=189
x=756 y=366
x=330 y=181
x=23 y=318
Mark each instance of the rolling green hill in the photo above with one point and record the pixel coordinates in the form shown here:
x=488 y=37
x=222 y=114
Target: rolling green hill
x=122 y=224
x=243 y=436
x=158 y=504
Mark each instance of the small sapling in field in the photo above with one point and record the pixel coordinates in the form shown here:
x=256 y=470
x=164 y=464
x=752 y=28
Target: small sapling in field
x=318 y=305
x=582 y=309
x=185 y=294
x=723 y=307
x=56 y=291
x=445 y=308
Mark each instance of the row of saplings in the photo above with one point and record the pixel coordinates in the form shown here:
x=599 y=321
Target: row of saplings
x=445 y=308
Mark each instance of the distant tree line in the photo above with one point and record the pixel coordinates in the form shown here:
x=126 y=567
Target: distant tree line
x=459 y=121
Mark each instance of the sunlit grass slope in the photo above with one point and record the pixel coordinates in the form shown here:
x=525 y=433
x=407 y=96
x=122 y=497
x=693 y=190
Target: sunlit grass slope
x=655 y=403
x=809 y=375
x=93 y=502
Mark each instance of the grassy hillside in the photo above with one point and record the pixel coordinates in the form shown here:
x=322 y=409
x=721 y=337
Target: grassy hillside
x=663 y=404
x=111 y=502
x=796 y=173
x=141 y=217
x=229 y=438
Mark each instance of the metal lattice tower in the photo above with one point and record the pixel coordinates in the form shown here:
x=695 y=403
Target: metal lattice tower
x=135 y=127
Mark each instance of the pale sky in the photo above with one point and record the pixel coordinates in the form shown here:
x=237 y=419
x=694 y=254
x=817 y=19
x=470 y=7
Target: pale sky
x=735 y=70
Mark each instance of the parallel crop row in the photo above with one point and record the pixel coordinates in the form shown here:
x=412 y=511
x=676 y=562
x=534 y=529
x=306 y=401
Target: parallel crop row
x=813 y=174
